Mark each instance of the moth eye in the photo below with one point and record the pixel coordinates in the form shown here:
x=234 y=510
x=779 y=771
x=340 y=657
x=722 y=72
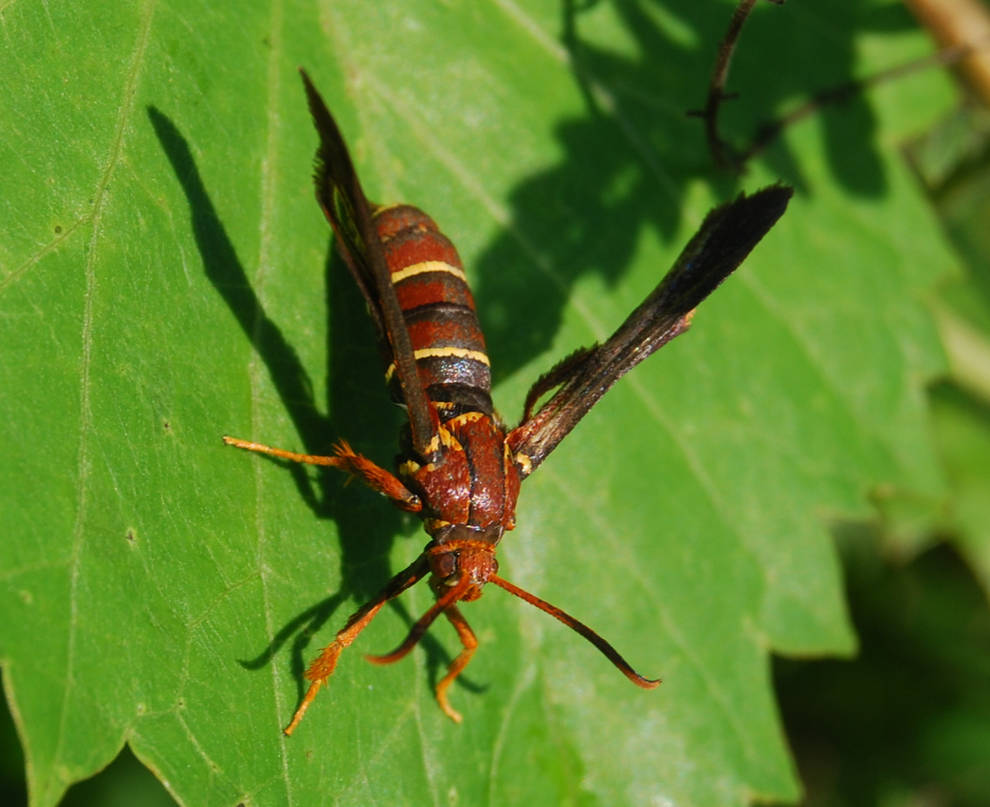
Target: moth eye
x=446 y=568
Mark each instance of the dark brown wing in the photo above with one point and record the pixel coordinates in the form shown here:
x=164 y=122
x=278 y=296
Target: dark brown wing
x=349 y=213
x=723 y=241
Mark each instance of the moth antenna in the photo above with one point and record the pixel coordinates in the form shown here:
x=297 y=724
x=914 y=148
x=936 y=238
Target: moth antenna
x=421 y=626
x=579 y=627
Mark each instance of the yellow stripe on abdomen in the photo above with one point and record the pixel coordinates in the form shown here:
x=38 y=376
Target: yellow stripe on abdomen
x=442 y=353
x=427 y=266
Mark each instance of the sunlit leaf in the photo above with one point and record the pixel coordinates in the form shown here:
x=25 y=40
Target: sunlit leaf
x=165 y=278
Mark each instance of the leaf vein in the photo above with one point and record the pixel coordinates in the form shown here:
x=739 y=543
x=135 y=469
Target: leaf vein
x=83 y=461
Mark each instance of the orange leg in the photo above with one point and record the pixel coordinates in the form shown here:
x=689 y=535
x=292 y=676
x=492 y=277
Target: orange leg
x=322 y=668
x=470 y=642
x=374 y=476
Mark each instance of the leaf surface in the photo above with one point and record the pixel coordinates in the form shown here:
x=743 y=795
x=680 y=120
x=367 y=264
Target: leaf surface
x=166 y=278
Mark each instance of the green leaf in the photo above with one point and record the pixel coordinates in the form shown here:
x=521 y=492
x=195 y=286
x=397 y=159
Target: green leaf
x=166 y=278
x=858 y=727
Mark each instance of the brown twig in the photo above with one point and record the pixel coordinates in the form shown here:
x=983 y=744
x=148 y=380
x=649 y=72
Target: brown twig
x=722 y=152
x=957 y=23
x=767 y=132
x=960 y=46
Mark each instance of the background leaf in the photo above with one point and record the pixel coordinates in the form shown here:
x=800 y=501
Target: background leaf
x=166 y=278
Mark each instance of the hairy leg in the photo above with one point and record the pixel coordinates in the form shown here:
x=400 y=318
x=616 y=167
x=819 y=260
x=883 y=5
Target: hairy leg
x=344 y=458
x=470 y=642
x=322 y=668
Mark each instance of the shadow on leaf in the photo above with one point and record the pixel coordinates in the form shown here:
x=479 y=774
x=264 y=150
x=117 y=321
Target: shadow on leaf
x=366 y=533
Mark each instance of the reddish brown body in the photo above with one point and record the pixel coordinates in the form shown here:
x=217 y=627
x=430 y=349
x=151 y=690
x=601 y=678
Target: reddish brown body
x=460 y=468
x=471 y=480
x=438 y=311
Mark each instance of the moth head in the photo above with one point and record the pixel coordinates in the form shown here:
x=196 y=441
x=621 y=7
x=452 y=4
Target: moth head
x=463 y=556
